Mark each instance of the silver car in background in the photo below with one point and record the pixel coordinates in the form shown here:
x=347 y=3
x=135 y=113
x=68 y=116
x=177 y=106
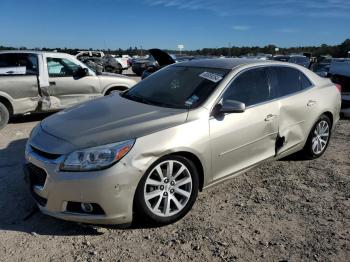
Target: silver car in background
x=38 y=81
x=189 y=126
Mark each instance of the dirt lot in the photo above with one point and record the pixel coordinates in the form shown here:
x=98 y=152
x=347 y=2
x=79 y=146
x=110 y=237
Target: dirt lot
x=283 y=211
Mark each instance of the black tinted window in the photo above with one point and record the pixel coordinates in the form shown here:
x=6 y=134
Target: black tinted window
x=250 y=87
x=18 y=64
x=177 y=86
x=286 y=80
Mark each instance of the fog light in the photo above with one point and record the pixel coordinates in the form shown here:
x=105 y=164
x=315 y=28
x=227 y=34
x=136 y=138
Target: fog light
x=87 y=207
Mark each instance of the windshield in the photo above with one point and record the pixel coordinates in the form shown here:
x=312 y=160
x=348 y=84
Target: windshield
x=177 y=86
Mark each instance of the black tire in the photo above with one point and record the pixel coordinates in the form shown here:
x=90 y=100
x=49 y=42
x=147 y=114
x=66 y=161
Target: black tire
x=4 y=115
x=119 y=70
x=143 y=213
x=308 y=152
x=110 y=69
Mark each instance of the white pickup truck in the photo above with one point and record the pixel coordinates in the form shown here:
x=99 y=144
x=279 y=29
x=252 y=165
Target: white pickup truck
x=35 y=81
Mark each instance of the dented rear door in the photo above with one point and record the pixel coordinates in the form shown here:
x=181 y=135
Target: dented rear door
x=297 y=101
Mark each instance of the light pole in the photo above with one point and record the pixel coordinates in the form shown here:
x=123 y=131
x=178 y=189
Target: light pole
x=180 y=47
x=141 y=49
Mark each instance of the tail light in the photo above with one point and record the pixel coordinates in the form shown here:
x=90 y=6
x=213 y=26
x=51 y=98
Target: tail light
x=338 y=87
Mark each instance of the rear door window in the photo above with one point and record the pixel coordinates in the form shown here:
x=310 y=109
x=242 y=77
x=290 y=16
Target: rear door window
x=286 y=80
x=18 y=64
x=250 y=87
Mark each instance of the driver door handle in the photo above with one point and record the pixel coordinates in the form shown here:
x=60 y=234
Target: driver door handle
x=270 y=117
x=52 y=83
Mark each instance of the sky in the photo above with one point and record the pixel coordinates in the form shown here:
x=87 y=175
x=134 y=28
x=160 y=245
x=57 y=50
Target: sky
x=102 y=24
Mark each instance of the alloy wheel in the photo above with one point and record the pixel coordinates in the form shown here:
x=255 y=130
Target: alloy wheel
x=320 y=137
x=168 y=188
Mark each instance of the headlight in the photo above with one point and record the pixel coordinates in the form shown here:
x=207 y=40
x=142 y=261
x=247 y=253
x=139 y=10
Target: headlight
x=96 y=158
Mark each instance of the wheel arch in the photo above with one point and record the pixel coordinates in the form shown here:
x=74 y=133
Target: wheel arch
x=330 y=116
x=196 y=161
x=115 y=88
x=7 y=103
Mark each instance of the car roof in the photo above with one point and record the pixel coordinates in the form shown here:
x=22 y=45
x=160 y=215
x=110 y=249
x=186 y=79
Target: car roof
x=28 y=52
x=223 y=63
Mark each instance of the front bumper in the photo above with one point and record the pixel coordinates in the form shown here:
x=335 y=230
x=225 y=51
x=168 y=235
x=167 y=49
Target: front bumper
x=112 y=189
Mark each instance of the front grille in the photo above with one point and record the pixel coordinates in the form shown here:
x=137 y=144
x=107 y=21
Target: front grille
x=37 y=175
x=45 y=154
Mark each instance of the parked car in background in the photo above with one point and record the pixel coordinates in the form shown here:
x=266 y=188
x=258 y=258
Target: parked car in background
x=321 y=66
x=281 y=58
x=34 y=81
x=295 y=59
x=122 y=61
x=141 y=64
x=111 y=63
x=163 y=59
x=95 y=63
x=338 y=70
x=191 y=125
x=300 y=60
x=90 y=54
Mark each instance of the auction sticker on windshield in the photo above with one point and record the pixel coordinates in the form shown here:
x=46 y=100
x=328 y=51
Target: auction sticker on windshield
x=211 y=76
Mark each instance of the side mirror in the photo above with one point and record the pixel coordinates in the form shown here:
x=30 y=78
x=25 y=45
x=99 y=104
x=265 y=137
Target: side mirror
x=229 y=106
x=81 y=72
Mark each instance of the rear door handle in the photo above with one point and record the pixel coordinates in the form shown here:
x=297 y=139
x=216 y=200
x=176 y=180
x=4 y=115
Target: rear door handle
x=311 y=103
x=10 y=72
x=270 y=117
x=52 y=83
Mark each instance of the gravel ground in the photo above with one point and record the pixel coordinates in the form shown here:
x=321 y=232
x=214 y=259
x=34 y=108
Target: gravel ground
x=287 y=210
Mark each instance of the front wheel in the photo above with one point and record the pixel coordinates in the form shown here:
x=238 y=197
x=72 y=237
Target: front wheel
x=318 y=139
x=168 y=190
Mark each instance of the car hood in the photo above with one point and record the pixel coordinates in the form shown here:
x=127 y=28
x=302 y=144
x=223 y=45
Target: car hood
x=106 y=120
x=161 y=57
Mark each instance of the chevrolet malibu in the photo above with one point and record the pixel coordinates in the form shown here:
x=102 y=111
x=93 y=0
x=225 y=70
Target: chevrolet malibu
x=148 y=151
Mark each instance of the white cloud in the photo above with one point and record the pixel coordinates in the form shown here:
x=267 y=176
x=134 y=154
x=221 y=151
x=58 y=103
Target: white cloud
x=281 y=8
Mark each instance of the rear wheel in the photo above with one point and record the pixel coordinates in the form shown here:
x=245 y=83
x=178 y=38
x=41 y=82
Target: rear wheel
x=4 y=115
x=119 y=70
x=109 y=69
x=168 y=190
x=318 y=139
